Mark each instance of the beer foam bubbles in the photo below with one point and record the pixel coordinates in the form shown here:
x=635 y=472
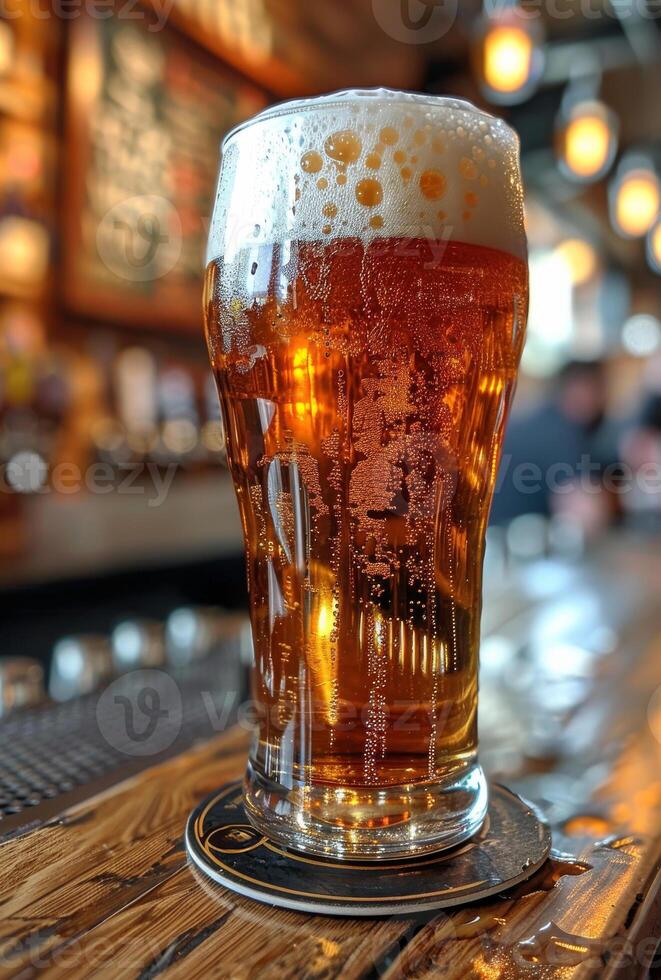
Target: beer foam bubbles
x=366 y=164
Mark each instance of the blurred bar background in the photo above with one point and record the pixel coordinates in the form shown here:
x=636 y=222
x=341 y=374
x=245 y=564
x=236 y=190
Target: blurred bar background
x=116 y=510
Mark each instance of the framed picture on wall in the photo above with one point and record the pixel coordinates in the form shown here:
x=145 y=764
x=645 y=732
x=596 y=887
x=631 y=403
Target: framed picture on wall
x=146 y=111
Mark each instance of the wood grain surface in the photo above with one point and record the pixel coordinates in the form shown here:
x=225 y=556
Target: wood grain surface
x=106 y=890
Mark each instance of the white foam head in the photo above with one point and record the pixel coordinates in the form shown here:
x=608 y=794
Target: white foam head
x=369 y=163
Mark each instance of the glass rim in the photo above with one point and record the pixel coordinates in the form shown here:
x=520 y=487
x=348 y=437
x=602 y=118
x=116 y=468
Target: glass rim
x=342 y=97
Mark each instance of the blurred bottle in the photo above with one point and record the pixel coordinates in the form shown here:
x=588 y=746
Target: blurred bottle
x=136 y=644
x=79 y=665
x=180 y=429
x=136 y=398
x=196 y=632
x=21 y=683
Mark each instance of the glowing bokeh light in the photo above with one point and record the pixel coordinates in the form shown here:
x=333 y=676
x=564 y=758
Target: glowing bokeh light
x=641 y=335
x=507 y=59
x=587 y=140
x=635 y=200
x=580 y=258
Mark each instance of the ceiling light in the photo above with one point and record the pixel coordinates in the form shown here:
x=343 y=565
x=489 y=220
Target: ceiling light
x=586 y=140
x=634 y=198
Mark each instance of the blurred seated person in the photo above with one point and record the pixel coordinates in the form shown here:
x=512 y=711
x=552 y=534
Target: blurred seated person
x=562 y=456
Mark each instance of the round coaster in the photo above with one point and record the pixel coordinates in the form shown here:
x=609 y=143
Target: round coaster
x=511 y=845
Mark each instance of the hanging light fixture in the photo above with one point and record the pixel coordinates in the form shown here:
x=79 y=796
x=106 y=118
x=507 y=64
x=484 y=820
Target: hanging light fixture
x=586 y=140
x=509 y=55
x=635 y=197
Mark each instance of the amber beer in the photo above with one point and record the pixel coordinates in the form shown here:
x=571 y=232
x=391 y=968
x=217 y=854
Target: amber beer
x=365 y=376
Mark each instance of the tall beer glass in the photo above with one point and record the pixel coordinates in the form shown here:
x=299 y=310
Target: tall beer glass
x=366 y=298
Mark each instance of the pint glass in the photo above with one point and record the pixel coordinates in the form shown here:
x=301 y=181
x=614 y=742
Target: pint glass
x=365 y=298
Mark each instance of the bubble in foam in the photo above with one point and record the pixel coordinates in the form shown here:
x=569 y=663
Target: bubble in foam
x=322 y=183
x=389 y=135
x=433 y=184
x=344 y=146
x=373 y=161
x=467 y=169
x=369 y=192
x=312 y=162
x=330 y=210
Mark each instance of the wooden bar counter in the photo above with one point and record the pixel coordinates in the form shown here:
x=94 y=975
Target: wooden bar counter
x=105 y=889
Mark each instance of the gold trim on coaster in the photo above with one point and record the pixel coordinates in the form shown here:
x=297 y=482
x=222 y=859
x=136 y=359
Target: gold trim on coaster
x=373 y=865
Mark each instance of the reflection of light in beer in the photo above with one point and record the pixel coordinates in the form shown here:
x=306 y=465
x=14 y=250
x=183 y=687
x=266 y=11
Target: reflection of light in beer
x=587 y=140
x=324 y=620
x=320 y=652
x=580 y=259
x=635 y=202
x=303 y=374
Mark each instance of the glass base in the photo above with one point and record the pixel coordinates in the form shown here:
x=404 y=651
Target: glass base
x=370 y=823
